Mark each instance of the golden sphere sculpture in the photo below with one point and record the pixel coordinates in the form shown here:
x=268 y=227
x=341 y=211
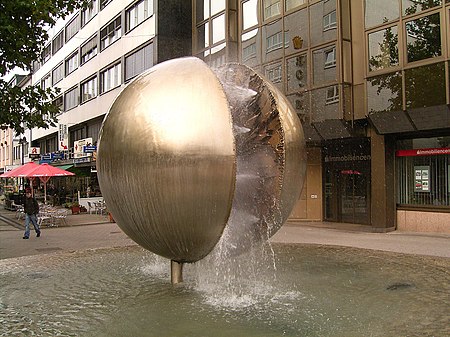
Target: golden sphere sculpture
x=186 y=152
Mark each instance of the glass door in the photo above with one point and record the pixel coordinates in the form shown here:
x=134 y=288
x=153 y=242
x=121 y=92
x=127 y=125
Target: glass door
x=353 y=195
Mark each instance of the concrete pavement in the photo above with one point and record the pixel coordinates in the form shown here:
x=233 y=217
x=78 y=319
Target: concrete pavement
x=90 y=231
x=400 y=242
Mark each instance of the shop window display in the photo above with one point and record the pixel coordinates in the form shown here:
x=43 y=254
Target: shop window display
x=423 y=172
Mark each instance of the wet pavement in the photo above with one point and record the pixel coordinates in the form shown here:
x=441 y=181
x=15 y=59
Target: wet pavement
x=91 y=231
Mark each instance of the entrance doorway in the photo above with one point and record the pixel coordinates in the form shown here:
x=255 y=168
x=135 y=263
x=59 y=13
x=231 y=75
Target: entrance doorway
x=347 y=187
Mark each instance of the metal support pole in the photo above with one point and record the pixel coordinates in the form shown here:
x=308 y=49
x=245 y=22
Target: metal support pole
x=176 y=272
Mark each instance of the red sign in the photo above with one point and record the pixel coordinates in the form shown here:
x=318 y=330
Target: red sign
x=423 y=152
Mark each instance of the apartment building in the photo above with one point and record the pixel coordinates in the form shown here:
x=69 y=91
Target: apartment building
x=368 y=78
x=90 y=56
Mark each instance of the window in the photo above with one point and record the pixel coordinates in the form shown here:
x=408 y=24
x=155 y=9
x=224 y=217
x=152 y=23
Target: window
x=274 y=74
x=110 y=33
x=425 y=86
x=110 y=78
x=414 y=6
x=329 y=21
x=423 y=38
x=89 y=49
x=383 y=49
x=58 y=73
x=138 y=62
x=332 y=95
x=217 y=6
x=93 y=131
x=319 y=15
x=72 y=63
x=249 y=52
x=72 y=27
x=271 y=8
x=58 y=102
x=423 y=172
x=71 y=99
x=297 y=75
x=89 y=89
x=36 y=66
x=89 y=12
x=103 y=3
x=51 y=144
x=384 y=93
x=47 y=53
x=218 y=29
x=249 y=14
x=380 y=11
x=274 y=42
x=138 y=13
x=290 y=4
x=58 y=42
x=77 y=134
x=46 y=82
x=203 y=36
x=330 y=58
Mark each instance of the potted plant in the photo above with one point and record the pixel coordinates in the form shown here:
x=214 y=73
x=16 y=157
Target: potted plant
x=75 y=207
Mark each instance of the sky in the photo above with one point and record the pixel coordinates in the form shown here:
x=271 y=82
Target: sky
x=13 y=72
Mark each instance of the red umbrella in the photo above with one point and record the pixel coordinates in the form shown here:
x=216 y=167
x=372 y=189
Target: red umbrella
x=20 y=171
x=45 y=172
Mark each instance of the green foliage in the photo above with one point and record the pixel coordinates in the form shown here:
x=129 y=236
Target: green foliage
x=28 y=107
x=23 y=34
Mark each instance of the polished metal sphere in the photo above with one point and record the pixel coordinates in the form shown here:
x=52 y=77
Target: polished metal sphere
x=186 y=152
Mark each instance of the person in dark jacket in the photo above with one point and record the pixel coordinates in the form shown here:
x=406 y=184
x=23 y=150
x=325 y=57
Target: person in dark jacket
x=31 y=209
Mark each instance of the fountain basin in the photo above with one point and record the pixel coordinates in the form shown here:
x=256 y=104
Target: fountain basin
x=296 y=290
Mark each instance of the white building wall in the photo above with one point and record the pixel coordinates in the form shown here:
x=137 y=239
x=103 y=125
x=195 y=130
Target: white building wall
x=128 y=42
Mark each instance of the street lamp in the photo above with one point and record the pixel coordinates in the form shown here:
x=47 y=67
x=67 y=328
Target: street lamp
x=23 y=142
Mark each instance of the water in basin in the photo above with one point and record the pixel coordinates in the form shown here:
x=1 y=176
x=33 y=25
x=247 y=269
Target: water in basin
x=294 y=290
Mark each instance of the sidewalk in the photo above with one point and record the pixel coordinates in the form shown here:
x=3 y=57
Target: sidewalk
x=83 y=231
x=90 y=231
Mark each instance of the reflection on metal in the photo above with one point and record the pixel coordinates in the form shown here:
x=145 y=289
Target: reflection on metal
x=298 y=42
x=185 y=153
x=166 y=160
x=270 y=156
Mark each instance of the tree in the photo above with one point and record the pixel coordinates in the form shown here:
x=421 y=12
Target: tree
x=23 y=34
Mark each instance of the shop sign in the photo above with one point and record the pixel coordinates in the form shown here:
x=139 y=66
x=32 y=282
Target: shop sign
x=349 y=157
x=46 y=157
x=421 y=178
x=89 y=149
x=82 y=160
x=35 y=153
x=57 y=155
x=78 y=146
x=423 y=152
x=63 y=137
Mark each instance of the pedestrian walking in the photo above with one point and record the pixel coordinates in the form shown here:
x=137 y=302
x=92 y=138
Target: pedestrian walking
x=31 y=209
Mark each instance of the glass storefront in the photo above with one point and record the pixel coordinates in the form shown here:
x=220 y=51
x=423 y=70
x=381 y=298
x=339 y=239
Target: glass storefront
x=423 y=172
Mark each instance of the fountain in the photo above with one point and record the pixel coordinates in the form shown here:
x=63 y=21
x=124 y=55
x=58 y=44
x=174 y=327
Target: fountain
x=315 y=291
x=188 y=155
x=187 y=194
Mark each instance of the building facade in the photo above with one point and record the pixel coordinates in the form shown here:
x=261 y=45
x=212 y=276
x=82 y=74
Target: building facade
x=369 y=80
x=90 y=56
x=14 y=148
